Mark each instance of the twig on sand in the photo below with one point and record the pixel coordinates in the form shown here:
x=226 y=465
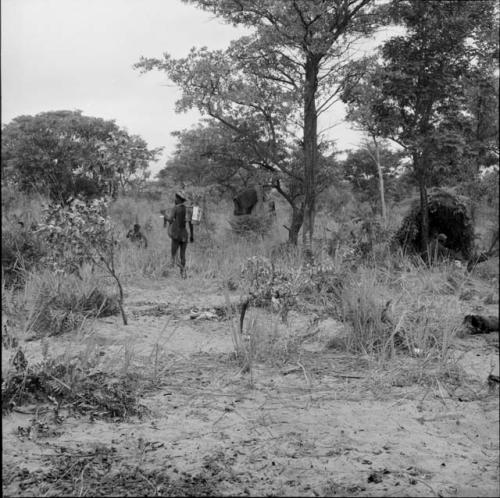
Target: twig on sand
x=439 y=417
x=331 y=374
x=81 y=478
x=344 y=376
x=442 y=393
x=31 y=412
x=148 y=481
x=220 y=418
x=424 y=483
x=308 y=380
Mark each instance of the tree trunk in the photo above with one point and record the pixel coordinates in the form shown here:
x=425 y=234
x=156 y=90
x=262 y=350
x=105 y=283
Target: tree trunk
x=296 y=224
x=310 y=149
x=424 y=208
x=380 y=181
x=120 y=301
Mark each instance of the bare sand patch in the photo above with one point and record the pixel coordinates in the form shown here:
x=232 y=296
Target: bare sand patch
x=325 y=424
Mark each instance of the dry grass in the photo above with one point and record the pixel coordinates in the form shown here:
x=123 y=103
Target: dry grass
x=401 y=316
x=53 y=304
x=265 y=340
x=394 y=305
x=416 y=311
x=80 y=382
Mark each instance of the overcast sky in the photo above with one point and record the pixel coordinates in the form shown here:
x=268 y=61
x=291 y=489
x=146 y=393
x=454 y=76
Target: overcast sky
x=78 y=54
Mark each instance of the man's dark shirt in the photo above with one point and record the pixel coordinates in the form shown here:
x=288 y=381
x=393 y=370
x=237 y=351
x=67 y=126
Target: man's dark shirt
x=178 y=218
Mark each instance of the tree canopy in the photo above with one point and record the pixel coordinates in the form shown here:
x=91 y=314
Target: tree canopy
x=211 y=153
x=65 y=154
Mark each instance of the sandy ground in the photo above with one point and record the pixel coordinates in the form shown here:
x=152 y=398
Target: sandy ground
x=328 y=424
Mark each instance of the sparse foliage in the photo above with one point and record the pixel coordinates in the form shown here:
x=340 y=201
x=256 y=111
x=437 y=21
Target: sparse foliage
x=82 y=232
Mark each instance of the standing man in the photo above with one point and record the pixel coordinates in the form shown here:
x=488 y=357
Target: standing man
x=177 y=230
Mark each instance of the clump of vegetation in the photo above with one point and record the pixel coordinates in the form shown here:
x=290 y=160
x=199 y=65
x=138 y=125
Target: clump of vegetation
x=265 y=341
x=22 y=252
x=77 y=382
x=362 y=309
x=83 y=233
x=448 y=215
x=415 y=313
x=100 y=471
x=279 y=289
x=60 y=305
x=265 y=286
x=251 y=224
x=268 y=286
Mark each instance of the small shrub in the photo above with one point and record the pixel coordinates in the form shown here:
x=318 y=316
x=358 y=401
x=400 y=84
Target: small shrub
x=80 y=233
x=265 y=341
x=285 y=255
x=251 y=224
x=323 y=287
x=267 y=286
x=362 y=309
x=487 y=270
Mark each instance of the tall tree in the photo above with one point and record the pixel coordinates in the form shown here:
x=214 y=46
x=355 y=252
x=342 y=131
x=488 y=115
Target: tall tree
x=213 y=154
x=255 y=116
x=64 y=153
x=362 y=99
x=482 y=91
x=296 y=47
x=482 y=109
x=421 y=82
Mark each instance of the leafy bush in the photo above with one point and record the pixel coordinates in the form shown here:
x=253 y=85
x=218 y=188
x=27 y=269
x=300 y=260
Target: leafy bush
x=79 y=233
x=356 y=240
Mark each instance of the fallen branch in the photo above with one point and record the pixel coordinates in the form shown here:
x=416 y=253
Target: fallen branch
x=308 y=380
x=439 y=417
x=300 y=368
x=31 y=412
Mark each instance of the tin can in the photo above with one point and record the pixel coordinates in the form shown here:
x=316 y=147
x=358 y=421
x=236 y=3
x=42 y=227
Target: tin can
x=196 y=216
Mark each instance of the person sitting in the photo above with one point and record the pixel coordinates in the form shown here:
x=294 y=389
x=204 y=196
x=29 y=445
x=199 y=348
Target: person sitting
x=439 y=249
x=137 y=237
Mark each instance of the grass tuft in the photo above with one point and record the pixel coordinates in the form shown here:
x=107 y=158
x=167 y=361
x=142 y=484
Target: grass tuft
x=58 y=305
